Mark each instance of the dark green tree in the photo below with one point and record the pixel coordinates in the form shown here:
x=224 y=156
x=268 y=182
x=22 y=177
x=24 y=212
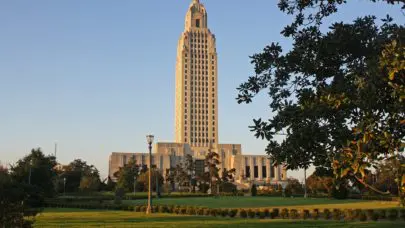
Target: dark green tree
x=37 y=169
x=330 y=96
x=79 y=172
x=126 y=176
x=212 y=174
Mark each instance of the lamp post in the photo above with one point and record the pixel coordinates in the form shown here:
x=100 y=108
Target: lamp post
x=64 y=186
x=149 y=139
x=29 y=176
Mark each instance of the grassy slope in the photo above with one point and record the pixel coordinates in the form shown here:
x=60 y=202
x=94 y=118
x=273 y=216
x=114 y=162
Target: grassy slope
x=255 y=202
x=80 y=218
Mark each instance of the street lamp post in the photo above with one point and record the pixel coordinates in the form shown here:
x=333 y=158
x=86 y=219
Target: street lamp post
x=64 y=186
x=29 y=176
x=149 y=139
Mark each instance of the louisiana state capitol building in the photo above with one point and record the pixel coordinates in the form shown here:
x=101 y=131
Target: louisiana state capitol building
x=196 y=113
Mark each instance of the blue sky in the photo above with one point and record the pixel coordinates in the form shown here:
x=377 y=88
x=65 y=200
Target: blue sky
x=97 y=76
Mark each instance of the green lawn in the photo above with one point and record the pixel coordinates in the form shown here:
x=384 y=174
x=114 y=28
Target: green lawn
x=94 y=218
x=255 y=202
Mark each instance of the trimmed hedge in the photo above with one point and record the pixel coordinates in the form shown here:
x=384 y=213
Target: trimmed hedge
x=336 y=214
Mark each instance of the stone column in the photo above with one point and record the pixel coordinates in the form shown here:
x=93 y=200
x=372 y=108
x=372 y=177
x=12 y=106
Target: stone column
x=277 y=173
x=252 y=168
x=259 y=167
x=268 y=169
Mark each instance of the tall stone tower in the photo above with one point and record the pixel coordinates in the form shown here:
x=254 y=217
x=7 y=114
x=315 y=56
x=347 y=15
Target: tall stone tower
x=196 y=103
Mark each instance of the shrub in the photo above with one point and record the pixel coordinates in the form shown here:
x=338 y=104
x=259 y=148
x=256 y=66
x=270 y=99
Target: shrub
x=383 y=214
x=326 y=214
x=242 y=213
x=143 y=208
x=262 y=215
x=176 y=210
x=251 y=213
x=337 y=214
x=207 y=211
x=340 y=193
x=315 y=214
x=357 y=213
x=284 y=213
x=393 y=214
x=266 y=212
x=190 y=211
x=363 y=217
x=253 y=190
x=402 y=214
x=257 y=213
x=350 y=215
x=375 y=216
x=369 y=214
x=275 y=212
x=305 y=214
x=200 y=211
x=233 y=212
x=294 y=213
x=138 y=208
x=224 y=212
x=213 y=212
x=183 y=210
x=154 y=208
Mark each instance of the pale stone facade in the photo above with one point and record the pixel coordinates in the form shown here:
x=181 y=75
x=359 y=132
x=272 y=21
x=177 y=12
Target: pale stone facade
x=196 y=111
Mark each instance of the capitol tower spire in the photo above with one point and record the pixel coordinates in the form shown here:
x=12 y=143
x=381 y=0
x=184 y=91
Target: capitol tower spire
x=196 y=103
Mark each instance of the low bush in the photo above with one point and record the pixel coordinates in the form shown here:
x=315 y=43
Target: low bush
x=213 y=212
x=392 y=214
x=190 y=211
x=207 y=211
x=357 y=213
x=242 y=213
x=369 y=214
x=200 y=211
x=266 y=212
x=350 y=215
x=383 y=214
x=315 y=214
x=363 y=216
x=262 y=215
x=138 y=208
x=224 y=212
x=375 y=216
x=276 y=212
x=176 y=210
x=257 y=212
x=305 y=214
x=284 y=213
x=143 y=208
x=337 y=214
x=251 y=213
x=326 y=214
x=233 y=212
x=294 y=214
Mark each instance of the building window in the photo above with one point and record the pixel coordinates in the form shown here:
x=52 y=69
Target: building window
x=247 y=171
x=264 y=171
x=272 y=171
x=256 y=171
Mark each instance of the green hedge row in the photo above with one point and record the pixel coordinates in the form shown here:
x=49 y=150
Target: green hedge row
x=262 y=213
x=139 y=197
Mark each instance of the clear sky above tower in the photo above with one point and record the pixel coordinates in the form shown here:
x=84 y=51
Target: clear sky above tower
x=97 y=76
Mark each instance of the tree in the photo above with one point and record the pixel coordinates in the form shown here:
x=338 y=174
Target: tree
x=18 y=200
x=320 y=184
x=79 y=171
x=126 y=176
x=211 y=163
x=330 y=94
x=144 y=180
x=37 y=169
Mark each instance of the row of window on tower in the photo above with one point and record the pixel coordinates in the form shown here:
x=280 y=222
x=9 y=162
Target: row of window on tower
x=204 y=140
x=201 y=54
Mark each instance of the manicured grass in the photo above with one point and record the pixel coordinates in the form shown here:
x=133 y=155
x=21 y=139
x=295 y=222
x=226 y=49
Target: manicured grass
x=255 y=202
x=80 y=218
